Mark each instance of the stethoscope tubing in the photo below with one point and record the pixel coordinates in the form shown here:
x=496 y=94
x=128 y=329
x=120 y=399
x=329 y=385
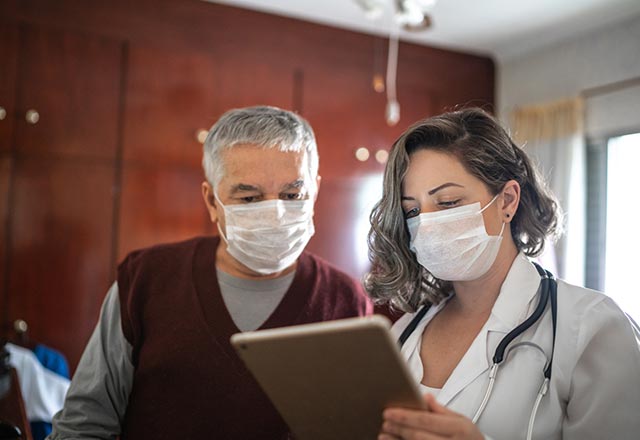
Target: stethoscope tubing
x=548 y=294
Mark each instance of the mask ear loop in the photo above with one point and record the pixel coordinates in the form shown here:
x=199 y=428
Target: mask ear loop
x=217 y=199
x=489 y=204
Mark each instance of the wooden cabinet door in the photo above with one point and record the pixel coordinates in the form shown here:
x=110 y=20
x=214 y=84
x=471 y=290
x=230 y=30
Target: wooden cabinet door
x=172 y=95
x=60 y=256
x=60 y=221
x=8 y=53
x=160 y=205
x=5 y=170
x=72 y=81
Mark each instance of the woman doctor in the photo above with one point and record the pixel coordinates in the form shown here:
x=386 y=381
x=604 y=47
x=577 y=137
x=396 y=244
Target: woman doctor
x=462 y=212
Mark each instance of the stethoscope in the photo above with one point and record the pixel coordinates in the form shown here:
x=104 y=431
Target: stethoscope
x=548 y=291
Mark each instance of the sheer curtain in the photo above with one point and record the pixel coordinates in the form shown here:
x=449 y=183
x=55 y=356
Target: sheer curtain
x=553 y=136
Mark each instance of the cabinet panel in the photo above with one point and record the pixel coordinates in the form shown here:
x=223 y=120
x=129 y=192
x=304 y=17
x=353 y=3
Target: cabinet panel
x=60 y=251
x=342 y=221
x=160 y=205
x=73 y=81
x=5 y=172
x=251 y=78
x=8 y=54
x=172 y=95
x=347 y=113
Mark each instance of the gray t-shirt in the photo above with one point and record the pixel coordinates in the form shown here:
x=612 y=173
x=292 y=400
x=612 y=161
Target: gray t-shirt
x=251 y=302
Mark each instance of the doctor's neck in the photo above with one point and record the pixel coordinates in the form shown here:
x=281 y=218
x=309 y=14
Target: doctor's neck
x=478 y=296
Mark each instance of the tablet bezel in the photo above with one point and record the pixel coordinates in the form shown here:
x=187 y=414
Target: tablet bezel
x=303 y=386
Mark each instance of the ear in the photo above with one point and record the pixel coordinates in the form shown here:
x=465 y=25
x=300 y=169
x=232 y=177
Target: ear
x=210 y=201
x=511 y=200
x=318 y=180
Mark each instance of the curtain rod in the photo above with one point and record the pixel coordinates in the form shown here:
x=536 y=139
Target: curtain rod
x=611 y=87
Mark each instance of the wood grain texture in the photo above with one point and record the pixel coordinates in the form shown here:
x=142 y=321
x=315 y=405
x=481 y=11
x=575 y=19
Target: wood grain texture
x=5 y=172
x=171 y=95
x=72 y=80
x=60 y=249
x=8 y=57
x=160 y=205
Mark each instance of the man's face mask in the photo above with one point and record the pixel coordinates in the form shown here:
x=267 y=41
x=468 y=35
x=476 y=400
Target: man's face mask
x=453 y=244
x=268 y=236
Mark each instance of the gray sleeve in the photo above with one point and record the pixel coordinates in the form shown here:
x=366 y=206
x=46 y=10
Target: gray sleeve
x=97 y=399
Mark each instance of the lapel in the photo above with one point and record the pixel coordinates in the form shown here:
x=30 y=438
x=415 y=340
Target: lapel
x=511 y=308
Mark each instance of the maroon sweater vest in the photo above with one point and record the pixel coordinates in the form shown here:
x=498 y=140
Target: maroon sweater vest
x=188 y=381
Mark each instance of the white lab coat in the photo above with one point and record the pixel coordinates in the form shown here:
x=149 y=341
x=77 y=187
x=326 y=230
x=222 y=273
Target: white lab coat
x=594 y=391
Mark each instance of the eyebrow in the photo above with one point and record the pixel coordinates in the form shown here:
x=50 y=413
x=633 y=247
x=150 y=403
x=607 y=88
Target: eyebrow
x=294 y=185
x=244 y=187
x=443 y=186
x=434 y=190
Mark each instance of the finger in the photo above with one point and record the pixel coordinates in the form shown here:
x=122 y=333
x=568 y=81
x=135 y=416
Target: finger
x=422 y=420
x=436 y=407
x=397 y=430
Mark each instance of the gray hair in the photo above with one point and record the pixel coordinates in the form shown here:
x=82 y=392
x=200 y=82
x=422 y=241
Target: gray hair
x=268 y=127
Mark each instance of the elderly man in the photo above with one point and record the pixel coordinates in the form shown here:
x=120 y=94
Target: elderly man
x=159 y=364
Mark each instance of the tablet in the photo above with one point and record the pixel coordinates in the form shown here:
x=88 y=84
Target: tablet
x=330 y=380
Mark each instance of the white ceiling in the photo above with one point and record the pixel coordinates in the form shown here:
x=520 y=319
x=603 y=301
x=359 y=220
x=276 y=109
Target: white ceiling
x=500 y=28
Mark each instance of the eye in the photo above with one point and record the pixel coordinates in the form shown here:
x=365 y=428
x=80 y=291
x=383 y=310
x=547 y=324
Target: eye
x=411 y=213
x=449 y=203
x=249 y=199
x=292 y=196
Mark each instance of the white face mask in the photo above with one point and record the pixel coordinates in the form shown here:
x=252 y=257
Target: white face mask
x=268 y=236
x=453 y=244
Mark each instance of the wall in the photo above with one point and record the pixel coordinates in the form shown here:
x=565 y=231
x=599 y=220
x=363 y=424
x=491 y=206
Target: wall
x=567 y=68
x=584 y=65
x=114 y=164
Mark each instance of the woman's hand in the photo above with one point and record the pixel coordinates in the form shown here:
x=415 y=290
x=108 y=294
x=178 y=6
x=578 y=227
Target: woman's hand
x=437 y=422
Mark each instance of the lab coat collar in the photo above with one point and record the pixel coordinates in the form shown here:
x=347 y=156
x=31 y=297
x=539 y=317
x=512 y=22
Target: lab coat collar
x=473 y=364
x=514 y=302
x=510 y=308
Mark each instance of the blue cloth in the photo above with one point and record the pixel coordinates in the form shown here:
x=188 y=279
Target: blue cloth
x=54 y=361
x=40 y=430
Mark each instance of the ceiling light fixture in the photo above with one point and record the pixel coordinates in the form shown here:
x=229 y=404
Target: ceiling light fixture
x=410 y=15
x=373 y=9
x=392 y=112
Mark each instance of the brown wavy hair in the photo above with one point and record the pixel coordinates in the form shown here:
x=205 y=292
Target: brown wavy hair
x=486 y=151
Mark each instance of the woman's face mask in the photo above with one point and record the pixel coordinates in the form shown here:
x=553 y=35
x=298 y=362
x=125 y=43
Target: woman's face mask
x=268 y=236
x=453 y=244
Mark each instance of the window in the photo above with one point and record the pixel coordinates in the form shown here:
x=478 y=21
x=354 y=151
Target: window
x=623 y=222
